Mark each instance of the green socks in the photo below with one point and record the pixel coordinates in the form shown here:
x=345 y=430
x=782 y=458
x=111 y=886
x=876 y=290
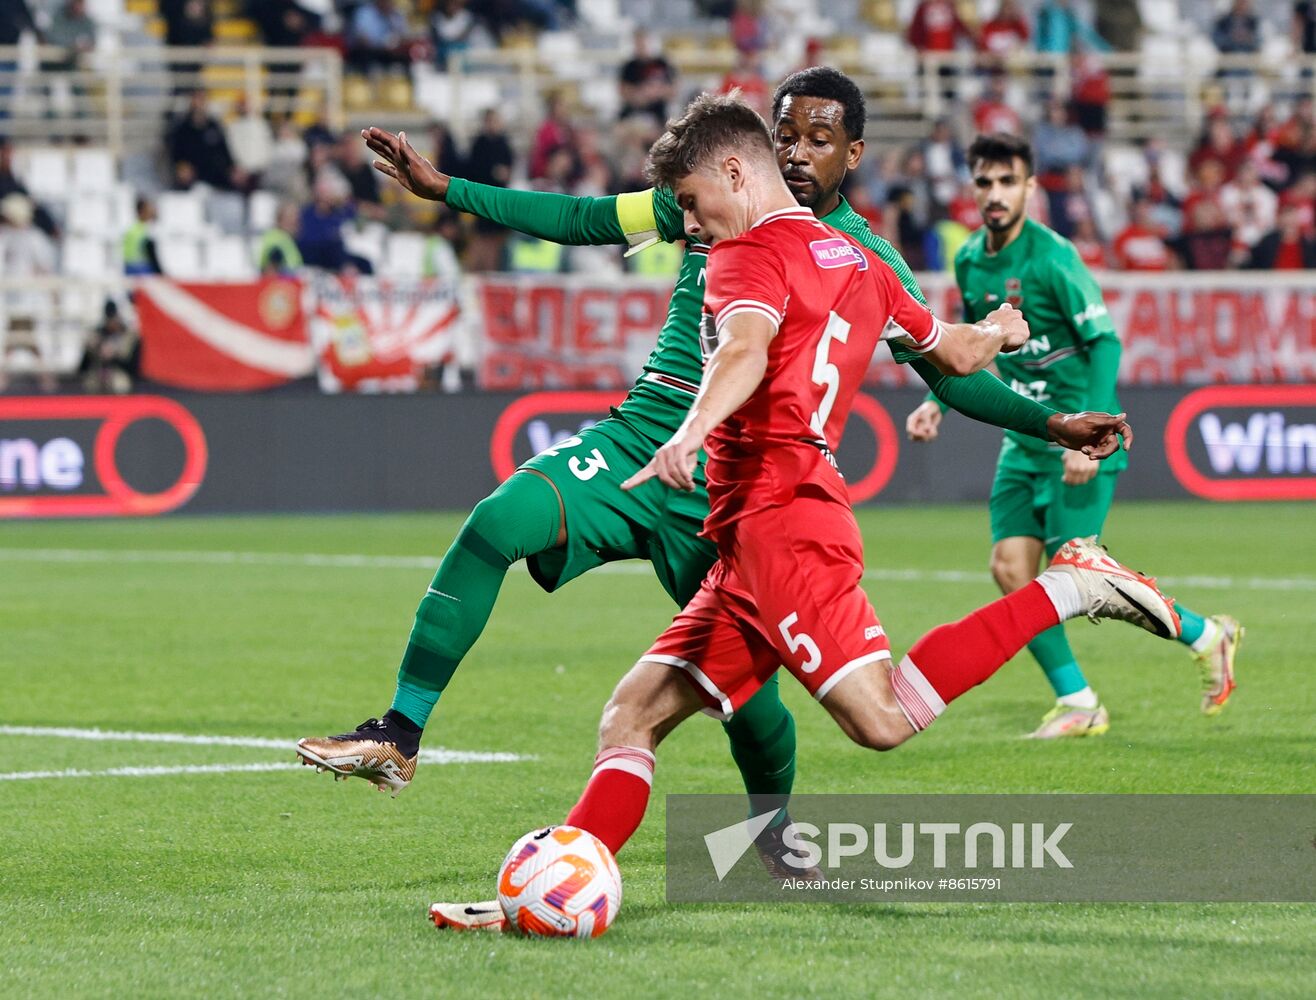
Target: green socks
x=1053 y=655
x=762 y=735
x=518 y=519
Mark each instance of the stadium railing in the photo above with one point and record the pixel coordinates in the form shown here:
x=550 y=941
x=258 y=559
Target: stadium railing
x=120 y=97
x=1162 y=92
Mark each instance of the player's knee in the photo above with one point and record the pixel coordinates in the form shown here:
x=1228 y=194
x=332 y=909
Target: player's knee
x=1009 y=572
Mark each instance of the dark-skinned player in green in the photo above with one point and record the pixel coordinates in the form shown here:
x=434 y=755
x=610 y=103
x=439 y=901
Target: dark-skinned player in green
x=564 y=511
x=1043 y=497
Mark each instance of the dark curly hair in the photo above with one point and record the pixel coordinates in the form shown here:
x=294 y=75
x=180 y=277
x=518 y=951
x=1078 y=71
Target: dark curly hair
x=830 y=85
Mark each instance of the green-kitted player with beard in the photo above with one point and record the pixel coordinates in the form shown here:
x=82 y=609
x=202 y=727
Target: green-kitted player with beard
x=564 y=511
x=1043 y=496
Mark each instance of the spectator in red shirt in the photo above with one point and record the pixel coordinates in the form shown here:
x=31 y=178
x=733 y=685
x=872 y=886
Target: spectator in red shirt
x=1221 y=144
x=1140 y=246
x=1301 y=195
x=1207 y=242
x=1091 y=93
x=747 y=76
x=1287 y=247
x=964 y=209
x=553 y=134
x=1088 y=244
x=991 y=112
x=1206 y=189
x=936 y=27
x=1006 y=33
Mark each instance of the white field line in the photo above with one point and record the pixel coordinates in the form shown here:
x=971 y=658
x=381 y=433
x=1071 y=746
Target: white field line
x=143 y=772
x=350 y=561
x=438 y=755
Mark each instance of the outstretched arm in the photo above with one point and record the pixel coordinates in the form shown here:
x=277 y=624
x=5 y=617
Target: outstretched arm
x=558 y=218
x=982 y=396
x=730 y=378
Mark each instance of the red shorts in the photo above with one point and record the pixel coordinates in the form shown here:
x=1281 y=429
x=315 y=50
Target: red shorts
x=784 y=591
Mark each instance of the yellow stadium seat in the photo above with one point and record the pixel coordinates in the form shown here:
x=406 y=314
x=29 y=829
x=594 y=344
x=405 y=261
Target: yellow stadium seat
x=236 y=30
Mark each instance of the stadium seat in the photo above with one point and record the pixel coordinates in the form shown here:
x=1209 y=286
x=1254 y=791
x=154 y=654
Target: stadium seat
x=180 y=257
x=94 y=215
x=889 y=56
x=93 y=171
x=262 y=209
x=181 y=212
x=367 y=242
x=227 y=211
x=46 y=173
x=405 y=256
x=87 y=257
x=227 y=259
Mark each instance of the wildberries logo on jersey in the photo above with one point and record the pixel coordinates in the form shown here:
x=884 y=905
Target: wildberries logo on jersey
x=97 y=456
x=1255 y=442
x=837 y=252
x=991 y=848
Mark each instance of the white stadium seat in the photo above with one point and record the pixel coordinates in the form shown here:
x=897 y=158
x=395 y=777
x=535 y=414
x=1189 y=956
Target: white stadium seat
x=93 y=171
x=92 y=214
x=227 y=259
x=87 y=257
x=405 y=255
x=46 y=173
x=181 y=212
x=262 y=209
x=180 y=257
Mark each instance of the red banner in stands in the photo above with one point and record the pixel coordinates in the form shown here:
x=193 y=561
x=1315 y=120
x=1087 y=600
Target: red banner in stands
x=381 y=334
x=568 y=333
x=573 y=332
x=1185 y=328
x=223 y=337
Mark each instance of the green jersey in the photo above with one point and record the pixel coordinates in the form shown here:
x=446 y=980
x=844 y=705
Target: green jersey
x=1071 y=359
x=660 y=399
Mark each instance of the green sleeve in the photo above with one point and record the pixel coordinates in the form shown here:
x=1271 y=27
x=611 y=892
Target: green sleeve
x=1079 y=296
x=984 y=397
x=1103 y=373
x=960 y=268
x=663 y=211
x=558 y=218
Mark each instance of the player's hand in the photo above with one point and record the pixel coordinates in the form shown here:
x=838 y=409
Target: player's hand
x=401 y=162
x=1096 y=435
x=674 y=463
x=1079 y=468
x=1013 y=326
x=923 y=422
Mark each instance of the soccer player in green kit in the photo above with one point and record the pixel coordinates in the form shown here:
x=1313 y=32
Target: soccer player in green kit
x=564 y=511
x=1041 y=498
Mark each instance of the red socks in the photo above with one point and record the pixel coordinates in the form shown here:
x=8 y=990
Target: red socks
x=953 y=658
x=614 y=801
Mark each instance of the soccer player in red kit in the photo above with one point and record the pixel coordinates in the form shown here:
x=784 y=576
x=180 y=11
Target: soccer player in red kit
x=793 y=312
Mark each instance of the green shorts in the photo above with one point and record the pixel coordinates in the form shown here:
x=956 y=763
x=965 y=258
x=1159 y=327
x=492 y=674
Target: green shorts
x=1035 y=504
x=606 y=523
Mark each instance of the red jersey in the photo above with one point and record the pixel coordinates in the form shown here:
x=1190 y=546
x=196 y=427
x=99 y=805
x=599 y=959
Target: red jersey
x=1141 y=249
x=832 y=301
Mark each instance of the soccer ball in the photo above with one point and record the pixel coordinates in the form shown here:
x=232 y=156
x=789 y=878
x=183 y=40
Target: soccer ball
x=559 y=882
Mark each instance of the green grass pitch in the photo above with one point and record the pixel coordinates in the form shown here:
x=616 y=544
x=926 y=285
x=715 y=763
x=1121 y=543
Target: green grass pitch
x=283 y=883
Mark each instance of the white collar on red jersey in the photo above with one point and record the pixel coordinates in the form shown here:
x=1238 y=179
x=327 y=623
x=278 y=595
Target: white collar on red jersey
x=785 y=213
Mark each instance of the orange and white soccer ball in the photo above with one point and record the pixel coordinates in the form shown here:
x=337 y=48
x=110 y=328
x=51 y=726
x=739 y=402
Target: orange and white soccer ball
x=559 y=882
